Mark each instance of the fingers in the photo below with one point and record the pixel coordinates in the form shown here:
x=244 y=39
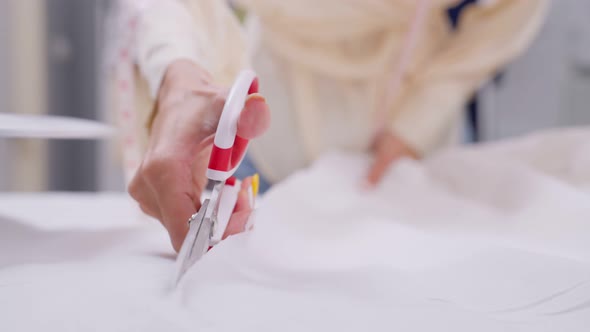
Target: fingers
x=237 y=223
x=255 y=118
x=164 y=193
x=242 y=210
x=140 y=192
x=173 y=195
x=176 y=211
x=169 y=183
x=378 y=169
x=178 y=196
x=243 y=203
x=382 y=158
x=387 y=148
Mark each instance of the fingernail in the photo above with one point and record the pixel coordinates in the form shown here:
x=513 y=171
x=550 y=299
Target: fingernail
x=251 y=221
x=256 y=97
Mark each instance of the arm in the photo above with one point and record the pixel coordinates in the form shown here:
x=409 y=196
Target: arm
x=203 y=32
x=188 y=52
x=489 y=37
x=166 y=32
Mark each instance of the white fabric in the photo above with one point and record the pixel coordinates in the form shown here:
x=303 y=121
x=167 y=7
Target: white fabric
x=494 y=238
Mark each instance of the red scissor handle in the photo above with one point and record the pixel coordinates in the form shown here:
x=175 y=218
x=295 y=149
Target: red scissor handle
x=229 y=149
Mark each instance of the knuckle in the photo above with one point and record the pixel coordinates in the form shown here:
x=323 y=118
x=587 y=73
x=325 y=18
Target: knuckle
x=134 y=188
x=218 y=100
x=147 y=210
x=155 y=166
x=176 y=243
x=211 y=116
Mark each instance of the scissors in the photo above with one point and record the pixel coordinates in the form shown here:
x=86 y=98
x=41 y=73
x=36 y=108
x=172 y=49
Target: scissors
x=206 y=227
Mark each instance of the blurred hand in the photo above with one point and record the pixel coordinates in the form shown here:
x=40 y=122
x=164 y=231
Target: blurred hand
x=386 y=148
x=171 y=178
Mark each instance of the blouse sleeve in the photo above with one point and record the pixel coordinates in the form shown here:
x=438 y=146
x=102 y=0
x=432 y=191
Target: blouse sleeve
x=489 y=36
x=202 y=31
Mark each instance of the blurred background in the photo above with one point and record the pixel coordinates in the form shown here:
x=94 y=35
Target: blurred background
x=52 y=62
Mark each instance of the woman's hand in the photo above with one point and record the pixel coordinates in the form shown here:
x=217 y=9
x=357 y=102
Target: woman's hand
x=171 y=178
x=387 y=148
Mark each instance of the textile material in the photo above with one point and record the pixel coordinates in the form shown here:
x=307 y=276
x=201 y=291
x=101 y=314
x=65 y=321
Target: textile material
x=490 y=238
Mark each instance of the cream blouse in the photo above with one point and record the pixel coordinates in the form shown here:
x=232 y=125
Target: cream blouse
x=334 y=71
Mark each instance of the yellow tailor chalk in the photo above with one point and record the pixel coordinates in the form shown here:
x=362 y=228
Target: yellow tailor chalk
x=255 y=184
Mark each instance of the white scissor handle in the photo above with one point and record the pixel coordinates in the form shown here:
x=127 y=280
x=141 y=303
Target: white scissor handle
x=229 y=149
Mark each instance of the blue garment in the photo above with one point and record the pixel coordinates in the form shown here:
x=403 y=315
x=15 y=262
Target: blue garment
x=247 y=168
x=454 y=12
x=471 y=119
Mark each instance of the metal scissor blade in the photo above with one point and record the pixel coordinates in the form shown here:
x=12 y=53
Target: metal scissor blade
x=196 y=242
x=213 y=208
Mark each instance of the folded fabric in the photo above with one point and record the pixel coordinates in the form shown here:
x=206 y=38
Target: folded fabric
x=487 y=238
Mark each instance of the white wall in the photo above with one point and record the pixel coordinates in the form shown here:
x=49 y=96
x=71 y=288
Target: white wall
x=23 y=86
x=550 y=85
x=110 y=172
x=4 y=95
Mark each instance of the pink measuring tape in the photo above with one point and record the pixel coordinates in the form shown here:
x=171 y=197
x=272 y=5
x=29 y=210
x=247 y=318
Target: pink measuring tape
x=410 y=42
